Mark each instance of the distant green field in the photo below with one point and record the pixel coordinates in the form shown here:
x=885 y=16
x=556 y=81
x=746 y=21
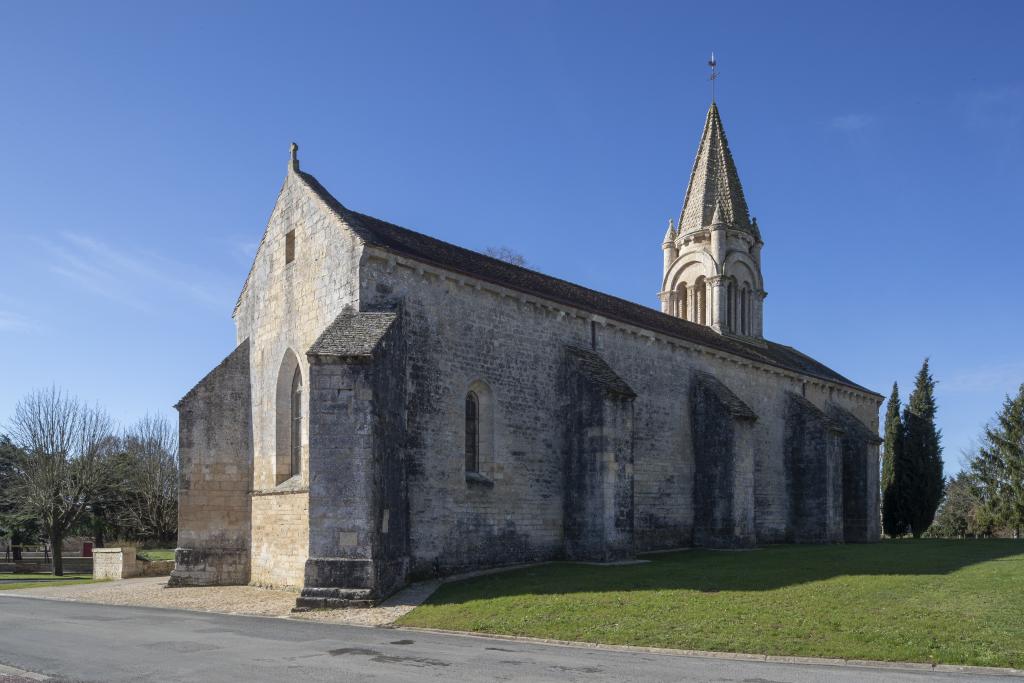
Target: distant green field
x=158 y=554
x=956 y=602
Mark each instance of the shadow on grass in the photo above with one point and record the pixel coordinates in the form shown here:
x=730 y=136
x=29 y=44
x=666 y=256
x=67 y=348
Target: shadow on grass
x=761 y=569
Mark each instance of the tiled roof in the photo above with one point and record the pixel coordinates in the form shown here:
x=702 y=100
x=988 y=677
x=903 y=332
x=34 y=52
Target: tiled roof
x=594 y=367
x=456 y=259
x=353 y=335
x=714 y=191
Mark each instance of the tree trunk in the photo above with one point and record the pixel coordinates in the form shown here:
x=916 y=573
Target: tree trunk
x=97 y=532
x=16 y=552
x=56 y=541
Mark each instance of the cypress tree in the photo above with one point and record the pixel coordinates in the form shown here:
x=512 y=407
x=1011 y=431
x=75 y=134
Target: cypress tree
x=922 y=450
x=893 y=520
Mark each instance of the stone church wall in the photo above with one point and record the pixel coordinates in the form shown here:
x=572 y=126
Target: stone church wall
x=280 y=538
x=282 y=310
x=458 y=337
x=462 y=331
x=215 y=452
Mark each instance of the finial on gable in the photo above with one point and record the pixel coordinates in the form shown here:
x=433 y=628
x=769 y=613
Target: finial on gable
x=295 y=157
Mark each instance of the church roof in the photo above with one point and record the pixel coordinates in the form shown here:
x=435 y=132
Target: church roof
x=353 y=334
x=714 y=193
x=456 y=259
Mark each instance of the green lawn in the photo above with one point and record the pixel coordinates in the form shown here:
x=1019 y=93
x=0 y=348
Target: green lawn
x=957 y=602
x=158 y=554
x=41 y=580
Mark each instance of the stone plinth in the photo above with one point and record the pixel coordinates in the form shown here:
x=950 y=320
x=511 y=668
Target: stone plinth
x=114 y=563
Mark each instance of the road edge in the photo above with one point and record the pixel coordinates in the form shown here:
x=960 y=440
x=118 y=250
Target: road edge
x=739 y=656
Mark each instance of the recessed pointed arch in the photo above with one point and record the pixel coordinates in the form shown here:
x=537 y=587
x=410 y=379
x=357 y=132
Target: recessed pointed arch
x=290 y=418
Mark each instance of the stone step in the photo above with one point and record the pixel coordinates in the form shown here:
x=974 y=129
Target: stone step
x=327 y=598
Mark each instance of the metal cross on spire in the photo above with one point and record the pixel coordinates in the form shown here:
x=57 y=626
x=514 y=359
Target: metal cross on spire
x=713 y=63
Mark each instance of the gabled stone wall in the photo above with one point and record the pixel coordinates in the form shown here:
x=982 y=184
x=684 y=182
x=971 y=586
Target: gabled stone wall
x=215 y=453
x=283 y=308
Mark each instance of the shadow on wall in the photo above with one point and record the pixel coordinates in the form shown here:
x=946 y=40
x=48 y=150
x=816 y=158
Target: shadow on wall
x=761 y=569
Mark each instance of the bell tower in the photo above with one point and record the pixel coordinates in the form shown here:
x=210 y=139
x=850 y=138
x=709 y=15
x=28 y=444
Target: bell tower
x=712 y=254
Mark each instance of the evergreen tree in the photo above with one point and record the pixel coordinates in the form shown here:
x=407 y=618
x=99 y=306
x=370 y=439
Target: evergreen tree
x=957 y=515
x=922 y=451
x=1000 y=464
x=893 y=520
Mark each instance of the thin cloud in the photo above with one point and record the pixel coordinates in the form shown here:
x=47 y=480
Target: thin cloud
x=1000 y=109
x=852 y=122
x=14 y=322
x=1005 y=377
x=126 y=276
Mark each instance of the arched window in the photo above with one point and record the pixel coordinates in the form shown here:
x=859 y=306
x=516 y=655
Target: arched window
x=296 y=423
x=472 y=432
x=288 y=419
x=681 y=301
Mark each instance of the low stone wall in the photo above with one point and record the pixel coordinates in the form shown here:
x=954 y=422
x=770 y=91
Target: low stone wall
x=114 y=563
x=155 y=568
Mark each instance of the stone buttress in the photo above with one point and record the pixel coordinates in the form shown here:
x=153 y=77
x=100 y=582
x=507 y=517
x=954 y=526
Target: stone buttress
x=358 y=516
x=723 y=486
x=598 y=492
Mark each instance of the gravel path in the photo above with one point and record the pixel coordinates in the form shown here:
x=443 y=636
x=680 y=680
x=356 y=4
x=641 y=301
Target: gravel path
x=153 y=592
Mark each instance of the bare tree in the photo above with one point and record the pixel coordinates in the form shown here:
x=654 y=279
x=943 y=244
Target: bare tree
x=151 y=479
x=63 y=442
x=507 y=255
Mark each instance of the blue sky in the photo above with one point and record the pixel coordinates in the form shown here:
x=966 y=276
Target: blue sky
x=881 y=147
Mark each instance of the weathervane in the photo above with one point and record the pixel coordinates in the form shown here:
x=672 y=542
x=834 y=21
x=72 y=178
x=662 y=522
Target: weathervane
x=713 y=63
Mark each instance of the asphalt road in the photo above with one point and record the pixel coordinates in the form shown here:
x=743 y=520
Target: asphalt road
x=83 y=642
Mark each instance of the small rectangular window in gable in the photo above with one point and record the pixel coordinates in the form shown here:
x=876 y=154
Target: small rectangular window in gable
x=289 y=247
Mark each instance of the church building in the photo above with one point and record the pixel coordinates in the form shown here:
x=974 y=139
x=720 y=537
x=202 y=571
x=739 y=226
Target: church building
x=398 y=407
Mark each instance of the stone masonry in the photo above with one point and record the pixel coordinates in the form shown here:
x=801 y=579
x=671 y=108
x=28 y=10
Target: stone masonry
x=398 y=408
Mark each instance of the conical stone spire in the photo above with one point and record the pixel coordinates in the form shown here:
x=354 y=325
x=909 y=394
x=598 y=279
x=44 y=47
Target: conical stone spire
x=714 y=193
x=670 y=234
